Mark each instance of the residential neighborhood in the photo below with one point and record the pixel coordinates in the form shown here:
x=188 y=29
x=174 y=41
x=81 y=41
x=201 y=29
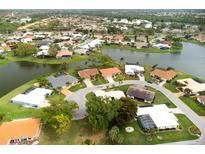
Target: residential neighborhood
x=101 y=78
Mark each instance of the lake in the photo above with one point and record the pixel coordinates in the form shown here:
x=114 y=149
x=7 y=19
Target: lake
x=191 y=59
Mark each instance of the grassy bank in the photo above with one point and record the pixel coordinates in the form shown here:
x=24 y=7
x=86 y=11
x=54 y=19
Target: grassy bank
x=75 y=58
x=14 y=111
x=194 y=42
x=4 y=62
x=149 y=50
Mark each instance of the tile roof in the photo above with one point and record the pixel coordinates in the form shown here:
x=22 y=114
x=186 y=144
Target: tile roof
x=64 y=53
x=20 y=128
x=165 y=74
x=88 y=73
x=108 y=72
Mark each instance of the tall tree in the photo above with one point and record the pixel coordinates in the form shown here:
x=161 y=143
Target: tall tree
x=25 y=49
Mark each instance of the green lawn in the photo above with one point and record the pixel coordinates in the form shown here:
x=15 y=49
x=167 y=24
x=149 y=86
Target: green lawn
x=138 y=136
x=194 y=105
x=13 y=111
x=77 y=87
x=99 y=80
x=148 y=69
x=75 y=58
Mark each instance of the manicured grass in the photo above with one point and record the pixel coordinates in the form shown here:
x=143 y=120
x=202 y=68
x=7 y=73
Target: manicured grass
x=148 y=69
x=148 y=50
x=138 y=136
x=125 y=77
x=99 y=80
x=75 y=58
x=56 y=97
x=194 y=105
x=78 y=132
x=77 y=87
x=13 y=111
x=161 y=98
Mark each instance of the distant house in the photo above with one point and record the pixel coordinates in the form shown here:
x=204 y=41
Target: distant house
x=191 y=84
x=133 y=69
x=201 y=99
x=118 y=39
x=19 y=132
x=163 y=74
x=34 y=98
x=162 y=46
x=26 y=40
x=81 y=51
x=43 y=50
x=109 y=72
x=61 y=80
x=140 y=92
x=64 y=54
x=140 y=45
x=88 y=73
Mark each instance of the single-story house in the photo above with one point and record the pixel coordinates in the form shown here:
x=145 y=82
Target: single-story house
x=157 y=116
x=61 y=80
x=26 y=40
x=43 y=50
x=140 y=92
x=133 y=69
x=201 y=99
x=140 y=45
x=19 y=132
x=118 y=38
x=109 y=72
x=110 y=94
x=35 y=98
x=64 y=54
x=163 y=74
x=81 y=51
x=191 y=84
x=162 y=46
x=88 y=73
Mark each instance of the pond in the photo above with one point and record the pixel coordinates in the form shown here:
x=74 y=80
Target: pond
x=191 y=59
x=15 y=74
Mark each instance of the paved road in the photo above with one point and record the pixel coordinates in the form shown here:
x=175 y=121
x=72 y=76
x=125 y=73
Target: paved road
x=80 y=98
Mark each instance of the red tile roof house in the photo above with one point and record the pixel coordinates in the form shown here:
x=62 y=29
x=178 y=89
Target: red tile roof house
x=64 y=54
x=88 y=73
x=110 y=72
x=164 y=74
x=19 y=132
x=201 y=99
x=118 y=39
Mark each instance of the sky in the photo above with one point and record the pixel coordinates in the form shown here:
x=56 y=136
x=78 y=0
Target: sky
x=102 y=4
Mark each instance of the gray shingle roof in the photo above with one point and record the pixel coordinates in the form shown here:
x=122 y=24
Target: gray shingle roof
x=61 y=80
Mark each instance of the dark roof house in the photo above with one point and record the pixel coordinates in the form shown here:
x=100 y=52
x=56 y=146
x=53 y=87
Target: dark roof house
x=140 y=92
x=61 y=80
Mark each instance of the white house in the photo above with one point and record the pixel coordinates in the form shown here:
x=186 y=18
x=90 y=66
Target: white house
x=43 y=50
x=81 y=51
x=110 y=94
x=161 y=115
x=162 y=46
x=26 y=40
x=148 y=25
x=35 y=98
x=133 y=69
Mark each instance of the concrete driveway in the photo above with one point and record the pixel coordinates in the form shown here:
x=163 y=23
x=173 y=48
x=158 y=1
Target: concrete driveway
x=88 y=83
x=80 y=98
